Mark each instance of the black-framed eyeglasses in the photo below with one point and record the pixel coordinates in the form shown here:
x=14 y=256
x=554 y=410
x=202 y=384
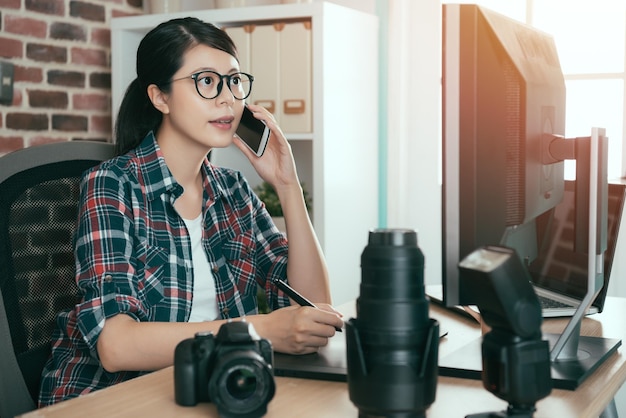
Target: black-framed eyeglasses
x=209 y=84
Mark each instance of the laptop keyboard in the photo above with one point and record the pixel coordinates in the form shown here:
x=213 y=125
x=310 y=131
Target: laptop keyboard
x=547 y=303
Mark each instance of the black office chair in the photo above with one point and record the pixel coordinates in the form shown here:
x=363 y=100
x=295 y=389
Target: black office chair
x=38 y=213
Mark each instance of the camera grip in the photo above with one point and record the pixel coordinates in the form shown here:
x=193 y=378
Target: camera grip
x=185 y=374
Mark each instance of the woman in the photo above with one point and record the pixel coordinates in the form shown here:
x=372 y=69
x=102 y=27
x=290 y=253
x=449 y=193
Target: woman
x=169 y=245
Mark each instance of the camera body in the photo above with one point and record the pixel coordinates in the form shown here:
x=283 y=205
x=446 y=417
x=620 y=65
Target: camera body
x=234 y=370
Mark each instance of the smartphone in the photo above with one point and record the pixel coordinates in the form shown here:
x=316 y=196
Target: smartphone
x=253 y=132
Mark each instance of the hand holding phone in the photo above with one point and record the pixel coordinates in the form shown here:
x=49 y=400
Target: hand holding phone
x=253 y=132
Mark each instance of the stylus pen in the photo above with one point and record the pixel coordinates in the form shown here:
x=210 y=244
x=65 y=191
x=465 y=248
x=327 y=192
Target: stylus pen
x=297 y=297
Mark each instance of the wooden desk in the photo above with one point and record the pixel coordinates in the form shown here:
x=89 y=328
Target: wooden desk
x=153 y=395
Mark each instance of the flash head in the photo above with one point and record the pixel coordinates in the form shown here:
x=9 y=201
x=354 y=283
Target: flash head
x=497 y=281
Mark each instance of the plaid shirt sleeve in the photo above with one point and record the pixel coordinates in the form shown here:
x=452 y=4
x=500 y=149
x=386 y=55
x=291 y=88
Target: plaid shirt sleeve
x=106 y=260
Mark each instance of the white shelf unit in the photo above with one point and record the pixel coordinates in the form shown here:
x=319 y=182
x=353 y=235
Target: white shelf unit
x=338 y=161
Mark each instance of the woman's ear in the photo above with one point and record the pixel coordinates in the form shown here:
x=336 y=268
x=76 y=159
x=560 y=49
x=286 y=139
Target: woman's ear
x=158 y=99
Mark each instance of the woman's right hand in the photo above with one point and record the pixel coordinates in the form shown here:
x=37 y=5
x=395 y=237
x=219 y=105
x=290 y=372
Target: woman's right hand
x=298 y=329
x=277 y=165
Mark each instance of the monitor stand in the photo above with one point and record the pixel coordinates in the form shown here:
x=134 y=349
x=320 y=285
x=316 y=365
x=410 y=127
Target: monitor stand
x=572 y=357
x=466 y=363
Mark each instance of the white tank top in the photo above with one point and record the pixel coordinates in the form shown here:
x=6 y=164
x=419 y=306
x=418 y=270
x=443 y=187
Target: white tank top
x=204 y=303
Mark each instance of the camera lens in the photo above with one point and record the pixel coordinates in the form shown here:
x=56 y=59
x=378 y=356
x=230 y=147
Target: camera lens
x=392 y=307
x=392 y=345
x=241 y=383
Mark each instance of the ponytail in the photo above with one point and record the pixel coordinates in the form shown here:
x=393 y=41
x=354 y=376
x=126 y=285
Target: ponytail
x=136 y=117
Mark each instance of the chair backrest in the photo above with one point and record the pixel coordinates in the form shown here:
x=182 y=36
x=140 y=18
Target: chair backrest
x=38 y=214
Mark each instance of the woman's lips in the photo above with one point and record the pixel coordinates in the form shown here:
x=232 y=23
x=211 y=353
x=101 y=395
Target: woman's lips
x=225 y=123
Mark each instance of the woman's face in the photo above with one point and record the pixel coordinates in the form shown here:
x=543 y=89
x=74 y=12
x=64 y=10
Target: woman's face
x=210 y=123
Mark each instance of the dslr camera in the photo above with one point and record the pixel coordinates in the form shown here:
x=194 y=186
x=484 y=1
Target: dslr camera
x=234 y=370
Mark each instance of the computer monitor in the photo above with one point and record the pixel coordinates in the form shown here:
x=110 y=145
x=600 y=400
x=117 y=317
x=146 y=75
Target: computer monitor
x=503 y=149
x=503 y=89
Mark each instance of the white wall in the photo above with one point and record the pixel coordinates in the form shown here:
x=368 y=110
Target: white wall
x=414 y=68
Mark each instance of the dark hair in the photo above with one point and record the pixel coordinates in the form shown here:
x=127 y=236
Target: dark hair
x=159 y=56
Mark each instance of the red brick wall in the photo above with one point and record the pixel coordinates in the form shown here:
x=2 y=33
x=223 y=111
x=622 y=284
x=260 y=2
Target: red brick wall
x=61 y=52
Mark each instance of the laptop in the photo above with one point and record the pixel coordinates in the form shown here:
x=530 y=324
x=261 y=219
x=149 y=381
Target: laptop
x=560 y=279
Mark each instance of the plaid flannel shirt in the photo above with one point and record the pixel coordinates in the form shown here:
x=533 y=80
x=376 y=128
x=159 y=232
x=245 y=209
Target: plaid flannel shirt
x=133 y=256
